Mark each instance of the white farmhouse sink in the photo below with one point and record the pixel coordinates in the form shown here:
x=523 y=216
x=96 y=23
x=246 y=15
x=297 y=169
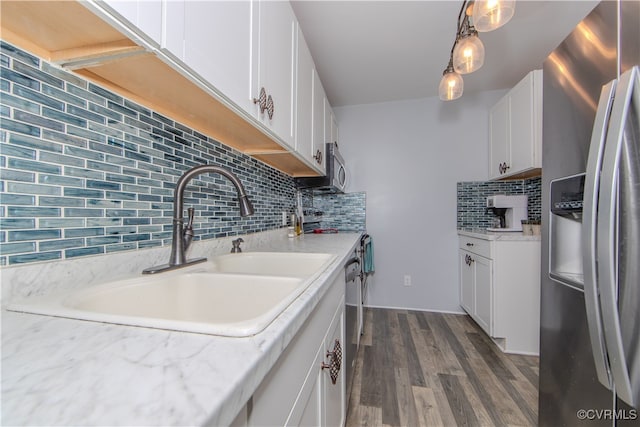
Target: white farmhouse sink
x=204 y=299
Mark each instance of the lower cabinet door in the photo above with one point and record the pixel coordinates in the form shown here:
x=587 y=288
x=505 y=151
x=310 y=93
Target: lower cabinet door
x=484 y=293
x=467 y=286
x=334 y=393
x=307 y=410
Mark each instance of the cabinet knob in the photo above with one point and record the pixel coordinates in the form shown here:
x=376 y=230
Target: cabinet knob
x=503 y=167
x=318 y=157
x=270 y=107
x=335 y=362
x=469 y=244
x=261 y=100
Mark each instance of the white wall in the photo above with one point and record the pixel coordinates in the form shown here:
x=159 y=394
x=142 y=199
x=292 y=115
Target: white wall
x=408 y=156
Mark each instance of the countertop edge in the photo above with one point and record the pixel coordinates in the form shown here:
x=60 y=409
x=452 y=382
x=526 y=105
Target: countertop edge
x=496 y=235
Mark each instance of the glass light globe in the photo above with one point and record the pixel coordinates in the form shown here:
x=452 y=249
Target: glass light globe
x=451 y=85
x=468 y=55
x=489 y=15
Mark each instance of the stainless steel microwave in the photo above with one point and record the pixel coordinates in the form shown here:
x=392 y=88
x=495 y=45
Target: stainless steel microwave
x=335 y=180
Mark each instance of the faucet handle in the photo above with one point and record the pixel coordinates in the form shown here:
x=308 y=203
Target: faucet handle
x=236 y=245
x=190 y=214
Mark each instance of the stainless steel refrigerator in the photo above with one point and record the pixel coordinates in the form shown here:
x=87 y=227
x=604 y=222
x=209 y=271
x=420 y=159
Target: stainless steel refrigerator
x=590 y=296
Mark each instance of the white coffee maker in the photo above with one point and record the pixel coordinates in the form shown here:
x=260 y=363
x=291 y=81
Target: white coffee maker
x=510 y=210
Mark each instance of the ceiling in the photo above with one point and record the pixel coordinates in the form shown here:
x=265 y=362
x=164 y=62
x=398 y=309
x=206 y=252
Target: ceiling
x=379 y=51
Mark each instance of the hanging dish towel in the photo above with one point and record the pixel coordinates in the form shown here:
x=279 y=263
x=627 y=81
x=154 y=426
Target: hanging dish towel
x=368 y=256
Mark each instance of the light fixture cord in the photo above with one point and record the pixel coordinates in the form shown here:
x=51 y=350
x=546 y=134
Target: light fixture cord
x=461 y=23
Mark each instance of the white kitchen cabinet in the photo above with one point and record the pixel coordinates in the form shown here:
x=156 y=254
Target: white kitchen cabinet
x=499 y=137
x=319 y=140
x=273 y=56
x=515 y=126
x=467 y=282
x=330 y=123
x=484 y=292
x=334 y=398
x=297 y=390
x=500 y=289
x=143 y=16
x=304 y=99
x=213 y=39
x=476 y=290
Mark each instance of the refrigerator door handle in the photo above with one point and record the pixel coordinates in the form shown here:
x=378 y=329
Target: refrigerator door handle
x=589 y=221
x=625 y=366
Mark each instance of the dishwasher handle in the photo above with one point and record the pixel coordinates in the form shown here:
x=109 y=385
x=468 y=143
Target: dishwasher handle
x=352 y=273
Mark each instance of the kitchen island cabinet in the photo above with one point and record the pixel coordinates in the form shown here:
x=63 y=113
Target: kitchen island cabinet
x=120 y=375
x=500 y=287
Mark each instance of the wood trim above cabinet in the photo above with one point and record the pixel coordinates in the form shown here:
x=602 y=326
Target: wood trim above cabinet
x=95 y=50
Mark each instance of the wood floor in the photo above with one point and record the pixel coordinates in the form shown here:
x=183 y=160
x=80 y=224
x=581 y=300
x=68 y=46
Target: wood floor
x=432 y=369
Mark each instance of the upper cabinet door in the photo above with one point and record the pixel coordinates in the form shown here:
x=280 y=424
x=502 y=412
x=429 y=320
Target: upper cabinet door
x=319 y=139
x=304 y=100
x=499 y=138
x=275 y=56
x=516 y=130
x=526 y=125
x=145 y=16
x=213 y=38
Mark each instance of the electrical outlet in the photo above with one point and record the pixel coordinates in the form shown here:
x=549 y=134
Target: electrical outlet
x=407 y=280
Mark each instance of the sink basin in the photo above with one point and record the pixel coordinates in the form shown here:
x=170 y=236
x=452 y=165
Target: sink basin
x=234 y=295
x=285 y=264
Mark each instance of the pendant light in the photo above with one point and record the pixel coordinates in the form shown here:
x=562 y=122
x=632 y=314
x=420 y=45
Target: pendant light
x=468 y=54
x=489 y=15
x=451 y=84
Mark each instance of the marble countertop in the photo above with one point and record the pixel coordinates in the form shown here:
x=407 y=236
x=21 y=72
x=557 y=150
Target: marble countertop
x=59 y=371
x=480 y=233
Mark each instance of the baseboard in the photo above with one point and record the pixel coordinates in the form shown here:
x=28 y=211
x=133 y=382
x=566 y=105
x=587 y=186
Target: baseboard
x=415 y=309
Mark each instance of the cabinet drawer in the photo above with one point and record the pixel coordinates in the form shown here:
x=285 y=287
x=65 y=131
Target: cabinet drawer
x=477 y=246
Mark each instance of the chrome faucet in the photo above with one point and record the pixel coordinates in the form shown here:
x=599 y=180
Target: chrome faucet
x=182 y=236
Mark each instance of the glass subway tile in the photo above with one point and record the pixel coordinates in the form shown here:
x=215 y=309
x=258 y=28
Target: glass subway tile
x=51 y=245
x=83 y=212
x=12 y=175
x=84 y=193
x=61 y=159
x=103 y=166
x=14 y=126
x=31 y=212
x=34 y=257
x=16 y=248
x=84 y=232
x=121 y=247
x=22 y=235
x=106 y=240
x=94 y=250
x=60 y=201
x=60 y=223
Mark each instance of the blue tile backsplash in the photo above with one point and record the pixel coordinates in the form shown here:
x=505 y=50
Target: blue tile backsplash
x=344 y=212
x=472 y=198
x=85 y=171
